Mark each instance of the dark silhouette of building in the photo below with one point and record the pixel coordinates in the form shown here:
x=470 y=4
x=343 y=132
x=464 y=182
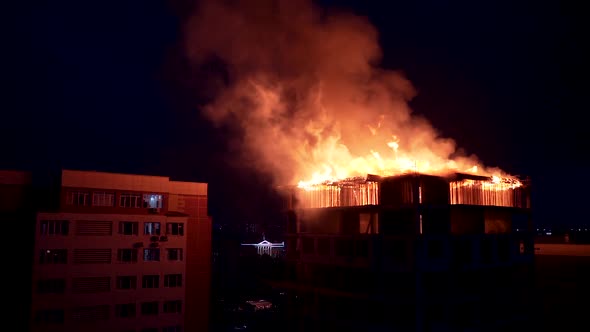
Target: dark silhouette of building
x=409 y=253
x=17 y=216
x=122 y=252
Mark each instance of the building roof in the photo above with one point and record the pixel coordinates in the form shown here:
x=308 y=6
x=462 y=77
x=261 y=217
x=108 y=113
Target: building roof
x=15 y=177
x=118 y=181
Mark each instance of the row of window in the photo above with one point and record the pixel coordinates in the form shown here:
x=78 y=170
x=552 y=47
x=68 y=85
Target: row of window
x=103 y=312
x=102 y=198
x=89 y=227
x=90 y=256
x=103 y=284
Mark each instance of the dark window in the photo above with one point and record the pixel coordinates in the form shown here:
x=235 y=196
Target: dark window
x=130 y=200
x=127 y=255
x=49 y=286
x=171 y=307
x=150 y=281
x=126 y=282
x=176 y=328
x=174 y=254
x=80 y=198
x=128 y=227
x=149 y=308
x=54 y=227
x=125 y=310
x=173 y=280
x=53 y=256
x=51 y=316
x=175 y=228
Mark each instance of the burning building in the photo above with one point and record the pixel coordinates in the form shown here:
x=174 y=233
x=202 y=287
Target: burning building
x=304 y=89
x=409 y=252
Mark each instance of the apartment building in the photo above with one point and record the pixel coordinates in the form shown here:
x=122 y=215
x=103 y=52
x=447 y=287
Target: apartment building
x=123 y=253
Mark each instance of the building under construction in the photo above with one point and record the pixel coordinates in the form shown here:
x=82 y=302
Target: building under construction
x=410 y=253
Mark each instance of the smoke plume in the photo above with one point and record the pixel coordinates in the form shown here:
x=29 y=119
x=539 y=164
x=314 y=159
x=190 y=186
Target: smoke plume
x=305 y=87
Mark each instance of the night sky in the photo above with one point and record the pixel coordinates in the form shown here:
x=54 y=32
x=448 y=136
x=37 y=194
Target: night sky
x=104 y=85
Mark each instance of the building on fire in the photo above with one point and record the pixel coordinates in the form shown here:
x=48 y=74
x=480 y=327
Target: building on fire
x=412 y=252
x=122 y=252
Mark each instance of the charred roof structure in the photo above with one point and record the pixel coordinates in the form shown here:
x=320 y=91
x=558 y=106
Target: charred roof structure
x=412 y=252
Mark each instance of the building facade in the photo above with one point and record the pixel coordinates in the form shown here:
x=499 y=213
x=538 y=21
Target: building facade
x=123 y=253
x=409 y=253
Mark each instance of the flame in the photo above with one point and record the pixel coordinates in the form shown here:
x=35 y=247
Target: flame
x=312 y=105
x=334 y=165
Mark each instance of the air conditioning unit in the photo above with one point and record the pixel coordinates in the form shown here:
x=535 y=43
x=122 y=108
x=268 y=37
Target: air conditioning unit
x=163 y=238
x=154 y=238
x=138 y=245
x=154 y=244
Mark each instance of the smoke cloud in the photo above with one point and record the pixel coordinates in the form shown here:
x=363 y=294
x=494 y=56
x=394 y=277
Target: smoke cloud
x=305 y=88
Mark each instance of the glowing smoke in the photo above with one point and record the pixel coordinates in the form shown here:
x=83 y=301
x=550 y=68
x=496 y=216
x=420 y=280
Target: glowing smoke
x=306 y=90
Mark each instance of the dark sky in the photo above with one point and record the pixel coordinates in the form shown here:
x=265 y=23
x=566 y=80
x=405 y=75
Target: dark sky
x=103 y=85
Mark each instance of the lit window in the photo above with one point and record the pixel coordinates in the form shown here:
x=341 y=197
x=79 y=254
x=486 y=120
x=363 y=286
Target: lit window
x=151 y=228
x=151 y=255
x=152 y=201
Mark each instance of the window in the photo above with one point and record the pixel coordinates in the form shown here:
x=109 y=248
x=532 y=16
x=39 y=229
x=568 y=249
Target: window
x=151 y=255
x=127 y=255
x=151 y=228
x=126 y=282
x=91 y=313
x=130 y=200
x=103 y=199
x=149 y=308
x=175 y=228
x=174 y=254
x=152 y=201
x=51 y=316
x=54 y=227
x=53 y=256
x=176 y=328
x=125 y=310
x=89 y=285
x=172 y=307
x=128 y=227
x=173 y=280
x=51 y=286
x=80 y=198
x=150 y=281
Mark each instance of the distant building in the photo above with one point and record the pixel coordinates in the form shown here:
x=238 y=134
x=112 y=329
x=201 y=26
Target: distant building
x=267 y=248
x=123 y=253
x=17 y=218
x=408 y=253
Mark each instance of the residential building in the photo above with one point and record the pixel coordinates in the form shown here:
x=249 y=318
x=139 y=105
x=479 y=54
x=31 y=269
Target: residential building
x=123 y=253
